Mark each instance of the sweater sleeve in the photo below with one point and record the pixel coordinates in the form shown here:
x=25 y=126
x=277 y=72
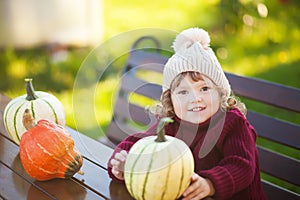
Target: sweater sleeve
x=126 y=145
x=237 y=168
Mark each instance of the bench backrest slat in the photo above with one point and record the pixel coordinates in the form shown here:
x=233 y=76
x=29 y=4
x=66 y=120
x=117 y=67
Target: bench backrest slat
x=143 y=58
x=133 y=113
x=121 y=128
x=275 y=130
x=274 y=192
x=131 y=83
x=271 y=93
x=289 y=168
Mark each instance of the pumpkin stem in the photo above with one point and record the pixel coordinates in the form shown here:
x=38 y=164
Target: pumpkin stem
x=28 y=120
x=160 y=129
x=30 y=90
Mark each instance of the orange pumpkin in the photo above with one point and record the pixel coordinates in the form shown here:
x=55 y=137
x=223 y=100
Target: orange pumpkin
x=47 y=150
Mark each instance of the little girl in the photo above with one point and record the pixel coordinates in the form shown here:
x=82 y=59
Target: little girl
x=212 y=122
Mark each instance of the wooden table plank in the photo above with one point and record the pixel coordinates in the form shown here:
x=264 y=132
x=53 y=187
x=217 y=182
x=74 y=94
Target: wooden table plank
x=96 y=178
x=15 y=187
x=91 y=149
x=64 y=189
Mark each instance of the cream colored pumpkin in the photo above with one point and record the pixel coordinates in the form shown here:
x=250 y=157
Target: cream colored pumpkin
x=158 y=167
x=43 y=105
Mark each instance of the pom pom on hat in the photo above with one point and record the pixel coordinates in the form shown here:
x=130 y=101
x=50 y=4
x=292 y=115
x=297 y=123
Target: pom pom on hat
x=188 y=37
x=192 y=53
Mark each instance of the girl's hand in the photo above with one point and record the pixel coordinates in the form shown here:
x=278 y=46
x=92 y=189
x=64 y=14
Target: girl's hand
x=118 y=163
x=199 y=188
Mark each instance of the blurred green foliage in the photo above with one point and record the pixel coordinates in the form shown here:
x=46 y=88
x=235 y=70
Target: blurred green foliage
x=254 y=38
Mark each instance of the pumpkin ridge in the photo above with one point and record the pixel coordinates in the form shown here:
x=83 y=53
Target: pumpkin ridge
x=74 y=164
x=181 y=177
x=168 y=176
x=32 y=110
x=42 y=169
x=62 y=140
x=15 y=120
x=76 y=160
x=148 y=170
x=65 y=140
x=73 y=167
x=5 y=117
x=69 y=161
x=53 y=110
x=133 y=166
x=44 y=149
x=32 y=161
x=68 y=149
x=47 y=152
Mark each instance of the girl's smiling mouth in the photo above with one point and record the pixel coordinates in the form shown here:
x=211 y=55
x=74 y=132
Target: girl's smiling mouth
x=197 y=109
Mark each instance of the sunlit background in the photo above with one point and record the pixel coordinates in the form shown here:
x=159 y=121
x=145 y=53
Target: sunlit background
x=49 y=40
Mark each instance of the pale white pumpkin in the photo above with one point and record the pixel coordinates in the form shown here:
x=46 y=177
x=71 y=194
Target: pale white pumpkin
x=158 y=167
x=43 y=105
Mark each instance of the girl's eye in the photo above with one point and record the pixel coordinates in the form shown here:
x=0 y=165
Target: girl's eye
x=182 y=92
x=204 y=89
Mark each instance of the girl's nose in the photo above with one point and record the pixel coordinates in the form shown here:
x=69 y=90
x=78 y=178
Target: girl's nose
x=196 y=99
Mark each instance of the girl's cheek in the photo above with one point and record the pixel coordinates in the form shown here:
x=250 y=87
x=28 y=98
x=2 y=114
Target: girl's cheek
x=176 y=99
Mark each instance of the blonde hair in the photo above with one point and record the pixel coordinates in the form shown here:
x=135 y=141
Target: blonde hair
x=165 y=108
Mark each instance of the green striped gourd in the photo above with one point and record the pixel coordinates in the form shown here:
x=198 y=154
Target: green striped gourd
x=158 y=167
x=42 y=105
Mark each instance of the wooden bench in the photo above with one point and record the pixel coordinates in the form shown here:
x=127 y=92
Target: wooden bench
x=141 y=81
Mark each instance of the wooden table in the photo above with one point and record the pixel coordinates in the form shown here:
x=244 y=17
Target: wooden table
x=15 y=183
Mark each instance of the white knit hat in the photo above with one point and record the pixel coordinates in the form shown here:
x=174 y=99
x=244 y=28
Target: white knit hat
x=192 y=53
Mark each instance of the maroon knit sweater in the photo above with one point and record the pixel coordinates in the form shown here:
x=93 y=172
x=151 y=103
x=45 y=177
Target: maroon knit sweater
x=224 y=151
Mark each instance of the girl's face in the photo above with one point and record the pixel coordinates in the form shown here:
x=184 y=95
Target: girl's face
x=195 y=101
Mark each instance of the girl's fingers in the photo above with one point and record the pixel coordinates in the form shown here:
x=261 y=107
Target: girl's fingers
x=190 y=189
x=124 y=153
x=114 y=162
x=194 y=177
x=117 y=174
x=114 y=171
x=120 y=156
x=118 y=164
